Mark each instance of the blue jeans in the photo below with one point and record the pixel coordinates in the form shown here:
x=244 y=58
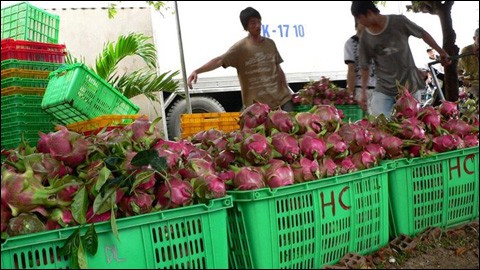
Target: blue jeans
x=382 y=103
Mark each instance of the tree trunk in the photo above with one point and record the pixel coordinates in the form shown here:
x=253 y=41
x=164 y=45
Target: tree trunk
x=449 y=39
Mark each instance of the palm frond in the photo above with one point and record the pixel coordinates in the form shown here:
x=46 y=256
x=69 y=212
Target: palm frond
x=126 y=45
x=145 y=82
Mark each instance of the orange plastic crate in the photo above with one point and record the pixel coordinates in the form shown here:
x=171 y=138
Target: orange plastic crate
x=18 y=90
x=196 y=122
x=24 y=73
x=98 y=123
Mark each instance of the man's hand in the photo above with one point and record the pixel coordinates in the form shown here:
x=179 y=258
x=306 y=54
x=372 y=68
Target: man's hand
x=363 y=102
x=192 y=78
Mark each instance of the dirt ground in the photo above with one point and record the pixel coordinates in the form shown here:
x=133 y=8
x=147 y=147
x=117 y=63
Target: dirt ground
x=456 y=248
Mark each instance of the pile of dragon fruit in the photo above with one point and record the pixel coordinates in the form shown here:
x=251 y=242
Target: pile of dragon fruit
x=71 y=179
x=322 y=92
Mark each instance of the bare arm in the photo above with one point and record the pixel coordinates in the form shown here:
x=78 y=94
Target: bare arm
x=209 y=66
x=364 y=79
x=351 y=78
x=427 y=38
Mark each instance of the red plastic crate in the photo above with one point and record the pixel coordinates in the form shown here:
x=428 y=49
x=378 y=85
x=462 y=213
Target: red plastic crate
x=33 y=51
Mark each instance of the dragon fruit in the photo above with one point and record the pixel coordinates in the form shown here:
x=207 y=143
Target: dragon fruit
x=444 y=143
x=254 y=116
x=312 y=147
x=59 y=218
x=281 y=121
x=25 y=223
x=174 y=193
x=248 y=178
x=448 y=109
x=286 y=145
x=406 y=105
x=23 y=193
x=308 y=121
x=64 y=145
x=459 y=127
x=256 y=149
x=137 y=203
x=6 y=215
x=278 y=173
x=305 y=170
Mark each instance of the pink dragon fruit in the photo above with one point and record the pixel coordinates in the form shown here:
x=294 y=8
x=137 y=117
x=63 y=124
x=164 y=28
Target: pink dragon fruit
x=406 y=105
x=174 y=193
x=24 y=193
x=254 y=116
x=59 y=218
x=444 y=143
x=137 y=203
x=448 y=109
x=256 y=149
x=286 y=145
x=278 y=173
x=282 y=121
x=305 y=170
x=248 y=178
x=67 y=146
x=312 y=147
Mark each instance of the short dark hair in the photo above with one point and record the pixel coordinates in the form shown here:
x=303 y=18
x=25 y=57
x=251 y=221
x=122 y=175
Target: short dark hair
x=362 y=7
x=248 y=13
x=429 y=49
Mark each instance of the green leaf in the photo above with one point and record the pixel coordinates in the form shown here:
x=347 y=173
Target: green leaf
x=79 y=206
x=113 y=223
x=91 y=240
x=102 y=178
x=71 y=243
x=82 y=257
x=144 y=157
x=74 y=259
x=141 y=177
x=102 y=204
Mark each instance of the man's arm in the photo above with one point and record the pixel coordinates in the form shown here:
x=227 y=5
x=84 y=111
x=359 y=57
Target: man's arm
x=363 y=101
x=427 y=38
x=351 y=78
x=209 y=66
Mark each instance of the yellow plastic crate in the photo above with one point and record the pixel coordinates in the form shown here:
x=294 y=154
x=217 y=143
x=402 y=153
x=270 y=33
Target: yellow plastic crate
x=25 y=73
x=103 y=121
x=18 y=90
x=196 y=122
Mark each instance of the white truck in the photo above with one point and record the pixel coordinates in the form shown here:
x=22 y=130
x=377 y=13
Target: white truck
x=309 y=36
x=302 y=31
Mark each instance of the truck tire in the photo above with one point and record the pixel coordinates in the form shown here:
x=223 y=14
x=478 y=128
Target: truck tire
x=200 y=104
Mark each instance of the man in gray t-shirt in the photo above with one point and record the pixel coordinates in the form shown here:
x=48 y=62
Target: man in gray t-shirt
x=385 y=40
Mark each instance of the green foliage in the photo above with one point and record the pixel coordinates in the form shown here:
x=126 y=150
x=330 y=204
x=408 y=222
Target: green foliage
x=145 y=81
x=157 y=5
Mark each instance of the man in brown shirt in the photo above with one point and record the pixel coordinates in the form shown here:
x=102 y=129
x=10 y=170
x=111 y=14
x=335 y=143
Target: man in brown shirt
x=257 y=61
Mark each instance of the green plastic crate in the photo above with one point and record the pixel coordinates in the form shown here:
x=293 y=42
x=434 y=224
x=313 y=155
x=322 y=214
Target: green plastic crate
x=24 y=82
x=302 y=108
x=32 y=65
x=24 y=21
x=75 y=93
x=191 y=237
x=352 y=112
x=437 y=191
x=309 y=225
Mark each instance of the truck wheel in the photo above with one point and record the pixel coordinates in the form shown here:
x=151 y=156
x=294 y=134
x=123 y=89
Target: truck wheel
x=199 y=105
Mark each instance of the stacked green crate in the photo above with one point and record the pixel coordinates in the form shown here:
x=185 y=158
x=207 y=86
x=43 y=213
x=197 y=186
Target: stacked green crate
x=21 y=101
x=30 y=51
x=24 y=21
